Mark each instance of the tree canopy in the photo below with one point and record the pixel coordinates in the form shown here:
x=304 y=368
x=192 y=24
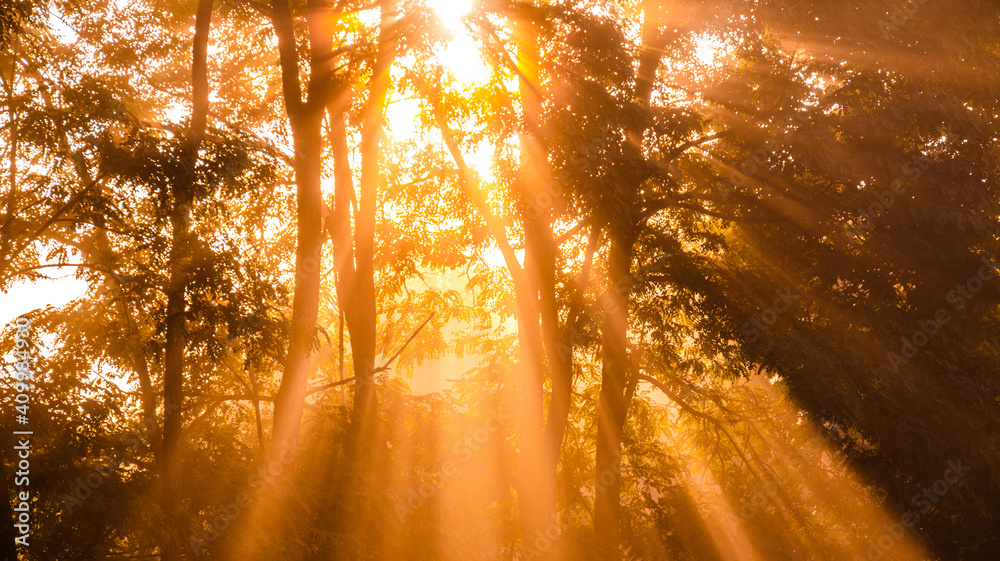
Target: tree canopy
x=502 y=279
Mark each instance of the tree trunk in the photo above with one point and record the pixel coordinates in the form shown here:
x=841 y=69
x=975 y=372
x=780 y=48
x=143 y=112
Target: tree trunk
x=536 y=329
x=614 y=397
x=306 y=119
x=176 y=336
x=290 y=399
x=558 y=352
x=617 y=379
x=543 y=343
x=526 y=393
x=354 y=257
x=364 y=417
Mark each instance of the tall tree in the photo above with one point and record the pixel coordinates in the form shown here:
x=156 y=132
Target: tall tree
x=618 y=375
x=305 y=116
x=355 y=255
x=180 y=263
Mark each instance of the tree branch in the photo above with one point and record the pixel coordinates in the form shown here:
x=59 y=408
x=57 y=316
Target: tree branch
x=385 y=366
x=691 y=144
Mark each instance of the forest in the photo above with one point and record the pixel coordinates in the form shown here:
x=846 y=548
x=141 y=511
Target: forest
x=434 y=280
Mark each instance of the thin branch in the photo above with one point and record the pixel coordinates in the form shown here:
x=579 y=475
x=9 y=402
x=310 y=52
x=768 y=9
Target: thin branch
x=57 y=215
x=571 y=232
x=655 y=206
x=467 y=180
x=782 y=501
x=692 y=143
x=234 y=397
x=258 y=397
x=343 y=382
x=385 y=366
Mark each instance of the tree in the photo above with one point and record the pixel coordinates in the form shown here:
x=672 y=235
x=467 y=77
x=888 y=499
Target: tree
x=176 y=338
x=705 y=279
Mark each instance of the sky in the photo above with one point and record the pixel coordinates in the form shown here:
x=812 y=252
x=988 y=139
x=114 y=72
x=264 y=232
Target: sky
x=429 y=377
x=26 y=296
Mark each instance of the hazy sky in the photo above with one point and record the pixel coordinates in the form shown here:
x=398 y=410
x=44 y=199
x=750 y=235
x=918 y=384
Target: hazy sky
x=24 y=297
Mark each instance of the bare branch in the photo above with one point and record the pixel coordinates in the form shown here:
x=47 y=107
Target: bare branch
x=385 y=366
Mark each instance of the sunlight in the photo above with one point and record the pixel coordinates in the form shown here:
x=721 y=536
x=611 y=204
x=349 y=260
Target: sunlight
x=402 y=118
x=451 y=12
x=176 y=111
x=781 y=472
x=462 y=58
x=59 y=289
x=708 y=49
x=505 y=281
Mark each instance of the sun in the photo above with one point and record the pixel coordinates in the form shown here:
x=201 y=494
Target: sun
x=709 y=49
x=461 y=55
x=451 y=12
